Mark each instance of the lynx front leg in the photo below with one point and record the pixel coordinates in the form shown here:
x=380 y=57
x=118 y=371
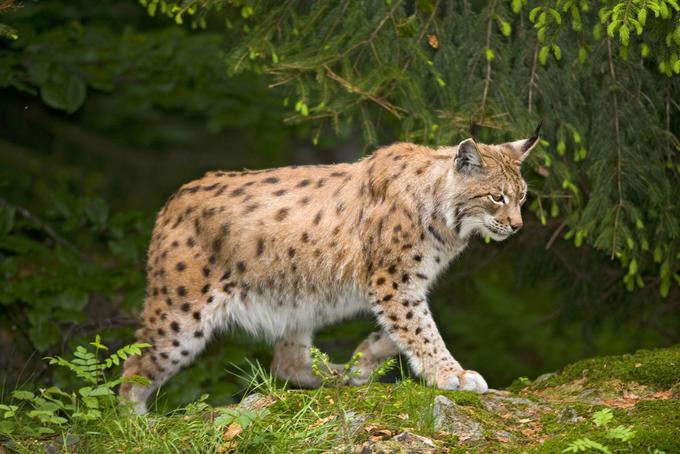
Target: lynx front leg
x=405 y=316
x=292 y=361
x=375 y=349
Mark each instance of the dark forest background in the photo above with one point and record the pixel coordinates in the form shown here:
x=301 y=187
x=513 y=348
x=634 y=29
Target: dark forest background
x=107 y=107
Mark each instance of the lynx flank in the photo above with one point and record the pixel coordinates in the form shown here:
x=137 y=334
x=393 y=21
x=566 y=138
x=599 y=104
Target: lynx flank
x=283 y=252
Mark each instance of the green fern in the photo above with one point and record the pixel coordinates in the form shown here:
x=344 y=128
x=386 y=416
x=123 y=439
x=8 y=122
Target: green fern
x=585 y=445
x=42 y=412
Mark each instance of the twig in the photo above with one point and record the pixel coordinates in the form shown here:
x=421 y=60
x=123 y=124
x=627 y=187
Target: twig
x=555 y=234
x=619 y=186
x=531 y=79
x=394 y=110
x=487 y=77
x=45 y=227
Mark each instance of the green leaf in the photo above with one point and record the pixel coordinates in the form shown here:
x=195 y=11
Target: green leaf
x=557 y=52
x=23 y=395
x=64 y=92
x=96 y=210
x=6 y=219
x=543 y=54
x=506 y=28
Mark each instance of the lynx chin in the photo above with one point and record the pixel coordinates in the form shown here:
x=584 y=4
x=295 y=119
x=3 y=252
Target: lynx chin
x=283 y=252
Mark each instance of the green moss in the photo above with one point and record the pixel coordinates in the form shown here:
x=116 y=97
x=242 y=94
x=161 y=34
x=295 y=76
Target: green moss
x=657 y=425
x=659 y=368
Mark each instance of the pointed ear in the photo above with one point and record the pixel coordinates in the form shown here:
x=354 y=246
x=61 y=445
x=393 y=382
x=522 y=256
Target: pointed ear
x=521 y=148
x=468 y=159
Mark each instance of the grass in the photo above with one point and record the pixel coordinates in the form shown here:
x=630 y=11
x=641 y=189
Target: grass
x=542 y=417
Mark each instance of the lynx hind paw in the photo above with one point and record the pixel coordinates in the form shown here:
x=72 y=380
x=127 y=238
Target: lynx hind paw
x=464 y=380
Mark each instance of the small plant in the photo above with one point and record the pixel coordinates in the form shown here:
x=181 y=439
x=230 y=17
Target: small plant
x=48 y=409
x=601 y=419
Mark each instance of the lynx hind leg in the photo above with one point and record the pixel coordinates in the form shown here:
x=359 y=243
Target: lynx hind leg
x=174 y=344
x=292 y=361
x=375 y=349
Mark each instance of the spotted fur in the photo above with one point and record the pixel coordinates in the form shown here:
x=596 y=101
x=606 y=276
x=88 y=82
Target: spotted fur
x=285 y=251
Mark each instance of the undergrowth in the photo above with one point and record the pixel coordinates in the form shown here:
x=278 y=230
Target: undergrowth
x=332 y=418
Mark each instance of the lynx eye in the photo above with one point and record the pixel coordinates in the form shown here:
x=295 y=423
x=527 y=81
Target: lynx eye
x=497 y=199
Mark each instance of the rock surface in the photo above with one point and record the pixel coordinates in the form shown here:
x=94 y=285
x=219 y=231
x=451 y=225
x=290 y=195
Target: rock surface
x=454 y=419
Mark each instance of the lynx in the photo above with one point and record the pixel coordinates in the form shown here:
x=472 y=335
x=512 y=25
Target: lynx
x=283 y=252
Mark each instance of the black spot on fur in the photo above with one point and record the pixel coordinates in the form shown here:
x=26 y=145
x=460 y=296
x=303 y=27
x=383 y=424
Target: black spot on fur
x=182 y=290
x=241 y=267
x=303 y=183
x=175 y=327
x=260 y=247
x=281 y=214
x=181 y=266
x=271 y=180
x=186 y=307
x=318 y=217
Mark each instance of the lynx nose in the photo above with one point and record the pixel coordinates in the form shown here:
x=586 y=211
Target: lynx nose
x=516 y=226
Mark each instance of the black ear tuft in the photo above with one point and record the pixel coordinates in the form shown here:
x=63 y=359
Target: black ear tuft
x=468 y=159
x=531 y=141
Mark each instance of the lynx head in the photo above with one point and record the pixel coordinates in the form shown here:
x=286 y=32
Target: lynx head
x=490 y=187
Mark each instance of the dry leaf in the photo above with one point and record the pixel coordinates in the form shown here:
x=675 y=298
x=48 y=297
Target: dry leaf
x=232 y=430
x=331 y=401
x=322 y=421
x=525 y=420
x=403 y=416
x=433 y=41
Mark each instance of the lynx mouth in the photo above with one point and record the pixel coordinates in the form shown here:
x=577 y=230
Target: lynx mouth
x=496 y=234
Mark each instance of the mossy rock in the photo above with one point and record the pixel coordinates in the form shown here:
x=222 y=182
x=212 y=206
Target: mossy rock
x=659 y=368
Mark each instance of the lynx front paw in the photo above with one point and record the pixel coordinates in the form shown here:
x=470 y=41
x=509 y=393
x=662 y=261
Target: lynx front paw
x=465 y=380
